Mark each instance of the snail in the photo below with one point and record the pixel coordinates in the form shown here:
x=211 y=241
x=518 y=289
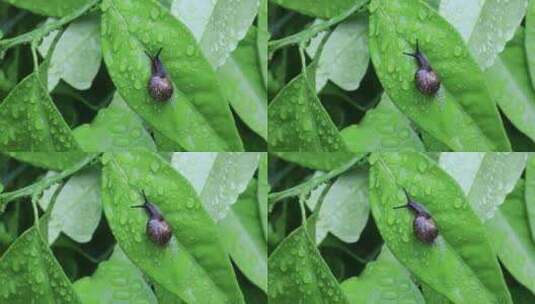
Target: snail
x=424 y=226
x=427 y=81
x=158 y=229
x=160 y=87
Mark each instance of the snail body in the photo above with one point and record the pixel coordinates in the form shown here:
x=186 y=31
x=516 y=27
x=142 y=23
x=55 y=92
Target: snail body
x=423 y=225
x=426 y=79
x=159 y=86
x=157 y=229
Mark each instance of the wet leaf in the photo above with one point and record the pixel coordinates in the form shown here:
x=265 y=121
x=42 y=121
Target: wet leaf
x=197 y=116
x=462 y=114
x=382 y=281
x=56 y=8
x=243 y=236
x=486 y=178
x=116 y=280
x=297 y=121
x=30 y=274
x=218 y=25
x=320 y=9
x=218 y=178
x=115 y=128
x=298 y=274
x=460 y=264
x=383 y=128
x=193 y=265
x=30 y=121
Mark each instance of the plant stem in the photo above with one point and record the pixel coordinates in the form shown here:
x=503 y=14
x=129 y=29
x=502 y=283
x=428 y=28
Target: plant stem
x=310 y=184
x=312 y=31
x=38 y=187
x=40 y=32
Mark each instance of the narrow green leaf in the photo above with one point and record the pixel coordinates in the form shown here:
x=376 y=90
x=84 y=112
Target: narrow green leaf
x=262 y=192
x=77 y=56
x=197 y=116
x=383 y=128
x=511 y=237
x=218 y=178
x=461 y=263
x=345 y=56
x=262 y=38
x=30 y=121
x=298 y=274
x=116 y=280
x=462 y=114
x=243 y=85
x=530 y=41
x=530 y=194
x=30 y=274
x=510 y=85
x=382 y=281
x=115 y=128
x=485 y=25
x=193 y=265
x=297 y=121
x=320 y=9
x=78 y=208
x=242 y=235
x=324 y=161
x=53 y=161
x=486 y=178
x=218 y=25
x=56 y=8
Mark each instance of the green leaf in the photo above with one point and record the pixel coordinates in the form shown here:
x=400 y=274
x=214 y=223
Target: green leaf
x=297 y=121
x=30 y=274
x=510 y=85
x=324 y=161
x=530 y=41
x=511 y=237
x=262 y=192
x=53 y=161
x=383 y=281
x=30 y=121
x=56 y=8
x=320 y=9
x=197 y=116
x=383 y=128
x=530 y=194
x=218 y=25
x=345 y=56
x=262 y=37
x=77 y=56
x=485 y=25
x=116 y=280
x=115 y=128
x=461 y=263
x=462 y=114
x=298 y=274
x=243 y=236
x=77 y=209
x=486 y=178
x=218 y=178
x=345 y=209
x=193 y=265
x=243 y=85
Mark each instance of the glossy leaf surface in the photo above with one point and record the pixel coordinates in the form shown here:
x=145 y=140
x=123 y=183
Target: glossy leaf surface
x=462 y=114
x=193 y=265
x=56 y=8
x=461 y=263
x=321 y=9
x=324 y=161
x=30 y=273
x=197 y=116
x=53 y=161
x=298 y=274
x=30 y=121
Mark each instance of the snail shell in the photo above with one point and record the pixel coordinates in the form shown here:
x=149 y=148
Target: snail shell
x=157 y=229
x=427 y=81
x=159 y=86
x=423 y=225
